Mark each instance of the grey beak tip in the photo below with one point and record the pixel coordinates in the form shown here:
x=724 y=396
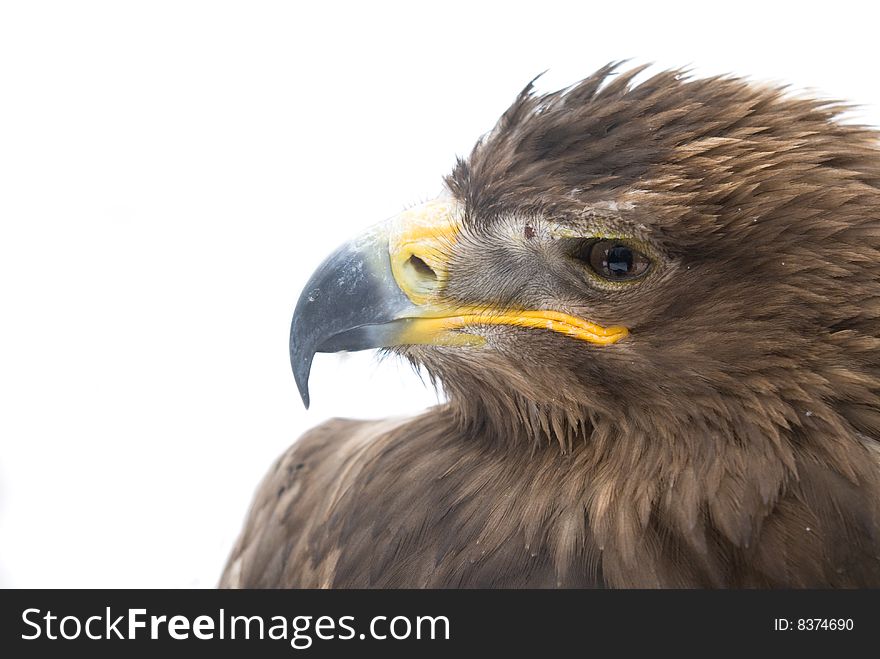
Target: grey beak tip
x=300 y=359
x=302 y=383
x=301 y=365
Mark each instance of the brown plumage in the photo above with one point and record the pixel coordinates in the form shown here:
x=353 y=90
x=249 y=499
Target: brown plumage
x=730 y=440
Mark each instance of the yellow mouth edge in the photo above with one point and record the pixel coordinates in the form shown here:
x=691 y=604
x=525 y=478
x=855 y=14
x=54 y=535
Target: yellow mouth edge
x=436 y=329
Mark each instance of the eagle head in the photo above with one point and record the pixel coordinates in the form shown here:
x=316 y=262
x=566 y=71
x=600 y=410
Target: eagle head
x=675 y=253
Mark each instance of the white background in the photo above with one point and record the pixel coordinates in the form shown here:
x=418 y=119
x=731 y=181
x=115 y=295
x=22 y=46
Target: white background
x=172 y=172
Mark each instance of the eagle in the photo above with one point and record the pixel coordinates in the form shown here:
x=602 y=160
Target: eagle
x=653 y=305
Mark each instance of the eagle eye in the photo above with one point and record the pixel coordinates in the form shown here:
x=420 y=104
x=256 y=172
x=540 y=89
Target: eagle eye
x=613 y=259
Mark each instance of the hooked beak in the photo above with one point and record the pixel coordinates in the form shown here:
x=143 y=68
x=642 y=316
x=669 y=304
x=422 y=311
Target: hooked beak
x=385 y=288
x=370 y=291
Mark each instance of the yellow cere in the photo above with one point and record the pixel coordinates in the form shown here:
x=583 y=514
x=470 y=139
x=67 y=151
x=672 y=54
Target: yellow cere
x=426 y=232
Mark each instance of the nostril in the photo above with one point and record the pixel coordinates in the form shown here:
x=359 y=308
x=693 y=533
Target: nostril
x=418 y=280
x=422 y=269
